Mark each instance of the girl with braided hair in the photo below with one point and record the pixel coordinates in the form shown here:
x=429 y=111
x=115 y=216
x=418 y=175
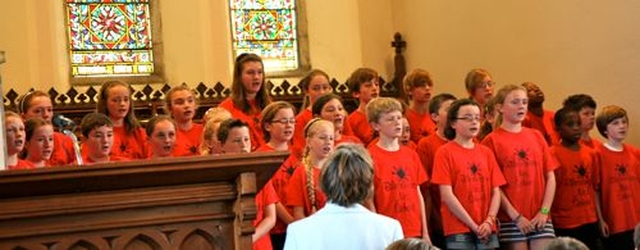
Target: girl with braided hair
x=303 y=193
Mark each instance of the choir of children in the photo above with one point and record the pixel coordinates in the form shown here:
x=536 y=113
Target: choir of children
x=487 y=172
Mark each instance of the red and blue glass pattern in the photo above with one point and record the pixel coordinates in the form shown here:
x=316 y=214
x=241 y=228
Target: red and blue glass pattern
x=266 y=28
x=109 y=37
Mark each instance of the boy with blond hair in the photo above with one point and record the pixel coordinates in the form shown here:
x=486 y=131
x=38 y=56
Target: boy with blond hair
x=397 y=169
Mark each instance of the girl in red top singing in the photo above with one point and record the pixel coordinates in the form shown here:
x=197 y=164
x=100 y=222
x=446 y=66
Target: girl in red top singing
x=469 y=180
x=39 y=142
x=278 y=125
x=38 y=104
x=15 y=141
x=314 y=84
x=329 y=107
x=249 y=95
x=129 y=138
x=303 y=192
x=527 y=165
x=181 y=103
x=161 y=131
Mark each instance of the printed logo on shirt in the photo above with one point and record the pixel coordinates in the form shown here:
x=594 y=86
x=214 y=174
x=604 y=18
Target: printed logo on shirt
x=581 y=171
x=193 y=150
x=621 y=169
x=123 y=147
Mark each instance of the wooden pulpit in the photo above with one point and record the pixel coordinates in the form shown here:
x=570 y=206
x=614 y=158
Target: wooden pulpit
x=204 y=202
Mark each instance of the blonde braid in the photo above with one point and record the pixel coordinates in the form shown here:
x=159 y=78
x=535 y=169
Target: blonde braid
x=311 y=192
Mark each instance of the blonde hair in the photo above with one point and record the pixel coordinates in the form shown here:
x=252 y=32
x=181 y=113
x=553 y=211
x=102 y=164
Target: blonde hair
x=213 y=118
x=169 y=95
x=310 y=130
x=381 y=105
x=501 y=96
x=410 y=244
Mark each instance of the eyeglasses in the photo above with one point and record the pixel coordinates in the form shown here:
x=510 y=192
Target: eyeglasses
x=483 y=85
x=469 y=118
x=284 y=121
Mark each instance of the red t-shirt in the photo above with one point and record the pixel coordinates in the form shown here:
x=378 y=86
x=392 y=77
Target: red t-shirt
x=545 y=124
x=63 y=151
x=426 y=150
x=131 y=146
x=576 y=180
x=593 y=143
x=416 y=121
x=524 y=159
x=22 y=164
x=472 y=174
x=397 y=176
x=297 y=195
x=265 y=197
x=188 y=141
x=280 y=181
x=361 y=128
x=298 y=141
x=252 y=119
x=620 y=188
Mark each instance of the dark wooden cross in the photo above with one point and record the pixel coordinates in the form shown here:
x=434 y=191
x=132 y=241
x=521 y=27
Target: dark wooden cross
x=398 y=43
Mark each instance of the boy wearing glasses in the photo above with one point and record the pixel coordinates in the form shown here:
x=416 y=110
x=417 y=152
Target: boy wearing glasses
x=397 y=170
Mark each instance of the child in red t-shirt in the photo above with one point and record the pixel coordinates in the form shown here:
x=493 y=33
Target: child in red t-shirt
x=249 y=95
x=329 y=107
x=161 y=131
x=585 y=105
x=574 y=209
x=479 y=85
x=278 y=126
x=314 y=84
x=38 y=104
x=129 y=138
x=405 y=138
x=235 y=138
x=527 y=165
x=364 y=85
x=538 y=117
x=303 y=192
x=15 y=139
x=419 y=86
x=426 y=149
x=180 y=102
x=397 y=170
x=97 y=131
x=619 y=179
x=212 y=119
x=38 y=142
x=469 y=180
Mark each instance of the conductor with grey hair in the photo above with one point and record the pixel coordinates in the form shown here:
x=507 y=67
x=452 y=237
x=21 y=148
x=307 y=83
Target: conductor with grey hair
x=344 y=223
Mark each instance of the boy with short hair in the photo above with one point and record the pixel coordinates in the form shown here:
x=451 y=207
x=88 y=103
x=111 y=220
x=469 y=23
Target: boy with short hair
x=364 y=86
x=234 y=136
x=419 y=85
x=397 y=169
x=585 y=105
x=619 y=180
x=97 y=131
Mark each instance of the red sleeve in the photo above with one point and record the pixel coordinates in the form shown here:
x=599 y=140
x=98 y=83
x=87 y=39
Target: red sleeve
x=441 y=169
x=421 y=173
x=270 y=195
x=360 y=126
x=497 y=178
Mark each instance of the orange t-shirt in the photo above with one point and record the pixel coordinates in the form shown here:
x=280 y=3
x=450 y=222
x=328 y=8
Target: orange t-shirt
x=361 y=128
x=22 y=164
x=252 y=119
x=265 y=197
x=88 y=161
x=544 y=124
x=297 y=195
x=576 y=180
x=472 y=174
x=63 y=151
x=524 y=159
x=416 y=121
x=397 y=176
x=131 y=146
x=593 y=143
x=620 y=188
x=188 y=141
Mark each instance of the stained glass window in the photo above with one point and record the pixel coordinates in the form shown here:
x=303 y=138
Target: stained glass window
x=267 y=28
x=109 y=37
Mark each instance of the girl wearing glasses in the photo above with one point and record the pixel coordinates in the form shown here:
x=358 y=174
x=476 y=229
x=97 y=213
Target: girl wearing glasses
x=527 y=165
x=469 y=180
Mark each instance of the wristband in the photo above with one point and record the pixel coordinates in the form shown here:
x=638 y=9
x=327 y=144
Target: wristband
x=544 y=211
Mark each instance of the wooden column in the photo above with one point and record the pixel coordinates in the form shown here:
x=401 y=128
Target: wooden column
x=400 y=64
x=3 y=155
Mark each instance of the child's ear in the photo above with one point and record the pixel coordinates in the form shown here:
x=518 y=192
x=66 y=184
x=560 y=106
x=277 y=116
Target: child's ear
x=375 y=126
x=434 y=117
x=355 y=94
